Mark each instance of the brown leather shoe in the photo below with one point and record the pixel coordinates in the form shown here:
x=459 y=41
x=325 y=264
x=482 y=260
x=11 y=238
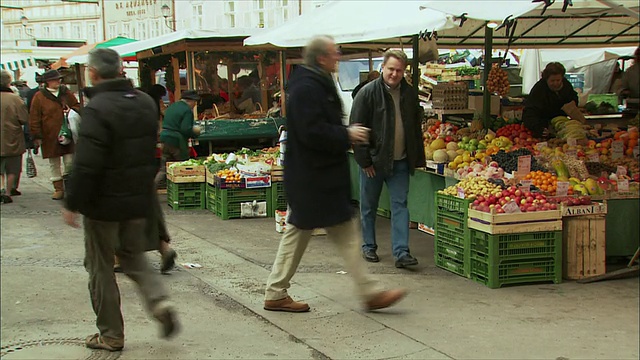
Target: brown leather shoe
x=384 y=299
x=287 y=304
x=58 y=194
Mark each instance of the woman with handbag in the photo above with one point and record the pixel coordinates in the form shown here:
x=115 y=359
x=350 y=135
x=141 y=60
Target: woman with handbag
x=47 y=117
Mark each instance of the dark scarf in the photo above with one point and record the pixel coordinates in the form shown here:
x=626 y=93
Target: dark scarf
x=5 y=89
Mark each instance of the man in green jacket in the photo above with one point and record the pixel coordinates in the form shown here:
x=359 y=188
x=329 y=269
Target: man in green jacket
x=177 y=129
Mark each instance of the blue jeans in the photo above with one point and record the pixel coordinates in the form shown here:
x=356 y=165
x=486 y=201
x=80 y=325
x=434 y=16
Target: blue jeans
x=370 y=189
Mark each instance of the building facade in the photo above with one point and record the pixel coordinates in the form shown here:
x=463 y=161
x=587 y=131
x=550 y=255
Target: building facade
x=136 y=19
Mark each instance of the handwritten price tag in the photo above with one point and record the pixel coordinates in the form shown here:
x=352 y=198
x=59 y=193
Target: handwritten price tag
x=511 y=207
x=541 y=145
x=617 y=145
x=623 y=185
x=562 y=188
x=572 y=142
x=525 y=185
x=524 y=164
x=572 y=153
x=460 y=193
x=594 y=158
x=621 y=171
x=617 y=154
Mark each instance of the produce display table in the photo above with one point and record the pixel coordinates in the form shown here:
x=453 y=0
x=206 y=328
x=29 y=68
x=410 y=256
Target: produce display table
x=238 y=129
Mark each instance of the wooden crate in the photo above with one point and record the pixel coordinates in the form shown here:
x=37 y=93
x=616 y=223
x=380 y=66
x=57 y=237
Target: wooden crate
x=186 y=174
x=515 y=222
x=584 y=246
x=581 y=210
x=277 y=173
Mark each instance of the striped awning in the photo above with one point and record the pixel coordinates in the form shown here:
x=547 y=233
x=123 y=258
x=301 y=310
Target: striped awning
x=14 y=62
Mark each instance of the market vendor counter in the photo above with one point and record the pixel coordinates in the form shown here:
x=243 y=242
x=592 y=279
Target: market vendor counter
x=239 y=129
x=622 y=231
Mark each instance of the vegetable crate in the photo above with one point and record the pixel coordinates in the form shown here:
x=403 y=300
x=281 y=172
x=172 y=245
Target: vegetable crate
x=186 y=196
x=516 y=272
x=550 y=220
x=179 y=174
x=277 y=173
x=452 y=235
x=584 y=245
x=452 y=206
x=226 y=203
x=276 y=197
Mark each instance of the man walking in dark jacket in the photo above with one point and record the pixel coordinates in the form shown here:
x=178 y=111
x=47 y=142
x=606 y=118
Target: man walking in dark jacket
x=317 y=181
x=112 y=186
x=389 y=107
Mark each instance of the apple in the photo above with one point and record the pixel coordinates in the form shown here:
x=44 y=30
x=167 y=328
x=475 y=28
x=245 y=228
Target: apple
x=481 y=198
x=505 y=193
x=492 y=199
x=553 y=207
x=507 y=198
x=498 y=195
x=531 y=208
x=484 y=204
x=476 y=202
x=523 y=208
x=518 y=193
x=526 y=193
x=542 y=201
x=500 y=211
x=529 y=199
x=523 y=201
x=491 y=206
x=546 y=206
x=503 y=201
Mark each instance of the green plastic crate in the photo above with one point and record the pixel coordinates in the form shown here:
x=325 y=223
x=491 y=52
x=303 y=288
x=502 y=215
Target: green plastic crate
x=452 y=207
x=516 y=272
x=449 y=264
x=278 y=199
x=186 y=196
x=225 y=203
x=524 y=246
x=449 y=250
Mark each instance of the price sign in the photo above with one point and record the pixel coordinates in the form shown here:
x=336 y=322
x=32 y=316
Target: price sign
x=623 y=185
x=572 y=142
x=617 y=145
x=572 y=153
x=511 y=207
x=460 y=192
x=617 y=154
x=562 y=188
x=526 y=185
x=541 y=145
x=621 y=171
x=594 y=158
x=524 y=164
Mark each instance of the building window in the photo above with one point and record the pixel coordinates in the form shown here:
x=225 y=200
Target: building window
x=76 y=31
x=46 y=32
x=113 y=32
x=285 y=14
x=60 y=32
x=231 y=6
x=126 y=30
x=197 y=16
x=143 y=31
x=232 y=20
x=285 y=2
x=258 y=4
x=261 y=19
x=18 y=33
x=155 y=30
x=93 y=35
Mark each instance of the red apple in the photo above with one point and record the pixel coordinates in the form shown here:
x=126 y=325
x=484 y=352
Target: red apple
x=531 y=208
x=500 y=211
x=529 y=199
x=502 y=202
x=543 y=201
x=523 y=201
x=498 y=195
x=492 y=199
x=480 y=198
x=505 y=193
x=476 y=202
x=553 y=207
x=518 y=193
x=523 y=208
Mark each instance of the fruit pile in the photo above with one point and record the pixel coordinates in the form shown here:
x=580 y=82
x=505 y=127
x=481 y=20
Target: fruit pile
x=545 y=181
x=570 y=200
x=527 y=201
x=475 y=169
x=509 y=160
x=497 y=81
x=473 y=187
x=230 y=175
x=566 y=128
x=517 y=134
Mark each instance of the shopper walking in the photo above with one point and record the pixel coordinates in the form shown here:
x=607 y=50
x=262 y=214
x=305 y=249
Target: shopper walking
x=13 y=116
x=389 y=107
x=317 y=180
x=46 y=116
x=112 y=186
x=177 y=128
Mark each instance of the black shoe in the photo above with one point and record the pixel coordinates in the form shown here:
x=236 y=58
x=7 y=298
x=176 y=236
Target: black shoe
x=168 y=260
x=370 y=255
x=15 y=192
x=406 y=260
x=6 y=199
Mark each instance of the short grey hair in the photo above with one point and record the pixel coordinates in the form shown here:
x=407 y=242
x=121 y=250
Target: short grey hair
x=106 y=62
x=5 y=79
x=398 y=54
x=315 y=47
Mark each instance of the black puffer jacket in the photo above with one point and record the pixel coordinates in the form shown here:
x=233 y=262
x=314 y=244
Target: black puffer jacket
x=114 y=165
x=373 y=107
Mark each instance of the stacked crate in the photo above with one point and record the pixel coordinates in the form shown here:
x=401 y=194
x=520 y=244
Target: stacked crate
x=225 y=199
x=515 y=248
x=277 y=200
x=452 y=235
x=450 y=96
x=186 y=187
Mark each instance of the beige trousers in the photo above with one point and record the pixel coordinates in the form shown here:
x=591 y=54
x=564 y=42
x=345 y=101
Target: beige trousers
x=345 y=236
x=55 y=166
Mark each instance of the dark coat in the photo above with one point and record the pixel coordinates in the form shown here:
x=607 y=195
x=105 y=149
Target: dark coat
x=316 y=173
x=114 y=168
x=374 y=108
x=543 y=104
x=45 y=120
x=177 y=127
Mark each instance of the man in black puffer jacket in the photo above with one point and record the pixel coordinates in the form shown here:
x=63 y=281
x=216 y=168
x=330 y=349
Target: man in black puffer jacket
x=112 y=185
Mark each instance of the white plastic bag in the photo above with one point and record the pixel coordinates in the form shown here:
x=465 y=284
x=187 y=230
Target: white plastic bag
x=74 y=124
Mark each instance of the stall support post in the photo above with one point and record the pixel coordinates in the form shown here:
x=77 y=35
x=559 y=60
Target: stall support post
x=486 y=95
x=191 y=70
x=283 y=78
x=80 y=83
x=415 y=65
x=175 y=64
x=262 y=73
x=370 y=61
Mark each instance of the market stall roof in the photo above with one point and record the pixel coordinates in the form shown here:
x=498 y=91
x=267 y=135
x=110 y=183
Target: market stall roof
x=585 y=24
x=356 y=22
x=15 y=61
x=84 y=50
x=153 y=43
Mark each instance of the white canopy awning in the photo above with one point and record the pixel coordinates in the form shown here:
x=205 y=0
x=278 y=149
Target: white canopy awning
x=16 y=61
x=191 y=34
x=351 y=21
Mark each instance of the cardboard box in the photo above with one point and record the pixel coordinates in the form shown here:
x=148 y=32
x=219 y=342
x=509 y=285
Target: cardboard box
x=476 y=103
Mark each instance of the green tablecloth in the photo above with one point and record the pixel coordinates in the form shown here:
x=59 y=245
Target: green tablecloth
x=233 y=129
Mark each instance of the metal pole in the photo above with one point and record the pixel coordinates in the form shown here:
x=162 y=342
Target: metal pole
x=415 y=65
x=283 y=82
x=486 y=96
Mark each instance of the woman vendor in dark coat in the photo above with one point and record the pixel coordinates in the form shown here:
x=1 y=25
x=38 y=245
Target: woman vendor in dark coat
x=551 y=96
